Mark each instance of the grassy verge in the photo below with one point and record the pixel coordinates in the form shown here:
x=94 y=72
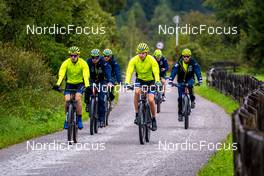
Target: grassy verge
x=26 y=114
x=221 y=163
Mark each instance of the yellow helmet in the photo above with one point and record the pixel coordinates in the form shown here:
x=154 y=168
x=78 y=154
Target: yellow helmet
x=142 y=48
x=157 y=53
x=186 y=52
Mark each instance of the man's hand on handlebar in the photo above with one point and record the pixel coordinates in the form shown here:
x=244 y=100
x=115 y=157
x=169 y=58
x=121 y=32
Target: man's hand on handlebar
x=56 y=87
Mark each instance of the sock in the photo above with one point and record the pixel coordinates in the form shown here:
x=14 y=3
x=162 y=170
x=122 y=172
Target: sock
x=136 y=114
x=66 y=116
x=153 y=118
x=79 y=117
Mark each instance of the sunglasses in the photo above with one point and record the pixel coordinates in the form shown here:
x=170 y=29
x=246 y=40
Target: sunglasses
x=106 y=56
x=95 y=57
x=186 y=56
x=73 y=55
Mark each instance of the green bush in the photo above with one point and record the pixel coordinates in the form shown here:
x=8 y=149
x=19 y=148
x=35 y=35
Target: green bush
x=22 y=69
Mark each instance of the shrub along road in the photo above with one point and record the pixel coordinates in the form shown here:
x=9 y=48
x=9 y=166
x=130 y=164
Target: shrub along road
x=116 y=149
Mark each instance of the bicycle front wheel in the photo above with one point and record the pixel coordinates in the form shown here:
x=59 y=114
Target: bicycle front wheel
x=70 y=123
x=141 y=125
x=185 y=109
x=147 y=122
x=91 y=113
x=75 y=129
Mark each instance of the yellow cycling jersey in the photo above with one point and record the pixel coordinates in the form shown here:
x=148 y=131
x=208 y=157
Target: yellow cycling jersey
x=185 y=66
x=75 y=72
x=145 y=69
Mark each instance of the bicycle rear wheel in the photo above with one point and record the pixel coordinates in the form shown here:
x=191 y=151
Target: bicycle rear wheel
x=141 y=125
x=70 y=122
x=106 y=109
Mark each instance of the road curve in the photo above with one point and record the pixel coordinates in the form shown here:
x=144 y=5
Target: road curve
x=116 y=150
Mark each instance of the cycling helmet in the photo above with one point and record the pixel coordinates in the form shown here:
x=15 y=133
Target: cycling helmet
x=186 y=52
x=142 y=48
x=74 y=50
x=95 y=52
x=157 y=53
x=107 y=52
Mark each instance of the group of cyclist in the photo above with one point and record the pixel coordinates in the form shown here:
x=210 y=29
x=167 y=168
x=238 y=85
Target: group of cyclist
x=86 y=76
x=102 y=70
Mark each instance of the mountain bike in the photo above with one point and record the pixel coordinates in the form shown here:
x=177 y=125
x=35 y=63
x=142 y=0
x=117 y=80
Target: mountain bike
x=144 y=116
x=186 y=102
x=72 y=131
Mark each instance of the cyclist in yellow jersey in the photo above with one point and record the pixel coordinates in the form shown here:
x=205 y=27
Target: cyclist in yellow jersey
x=147 y=71
x=77 y=75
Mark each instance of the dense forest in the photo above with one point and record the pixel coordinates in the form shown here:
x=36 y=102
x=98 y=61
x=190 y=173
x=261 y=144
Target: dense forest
x=29 y=62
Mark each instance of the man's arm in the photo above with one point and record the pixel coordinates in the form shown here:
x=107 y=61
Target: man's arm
x=108 y=70
x=117 y=72
x=129 y=72
x=86 y=74
x=155 y=70
x=197 y=71
x=166 y=65
x=62 y=72
x=174 y=71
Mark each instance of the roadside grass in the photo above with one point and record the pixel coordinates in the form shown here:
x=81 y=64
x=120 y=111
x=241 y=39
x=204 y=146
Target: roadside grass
x=26 y=114
x=221 y=163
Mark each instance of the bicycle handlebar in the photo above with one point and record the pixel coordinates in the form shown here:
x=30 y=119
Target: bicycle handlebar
x=60 y=90
x=185 y=84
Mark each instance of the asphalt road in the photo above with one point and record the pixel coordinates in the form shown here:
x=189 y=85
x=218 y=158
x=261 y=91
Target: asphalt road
x=116 y=150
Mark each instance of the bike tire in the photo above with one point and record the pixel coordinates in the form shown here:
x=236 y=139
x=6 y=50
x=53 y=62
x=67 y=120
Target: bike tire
x=108 y=112
x=141 y=125
x=158 y=106
x=69 y=121
x=185 y=112
x=95 y=116
x=148 y=117
x=75 y=129
x=91 y=114
x=106 y=109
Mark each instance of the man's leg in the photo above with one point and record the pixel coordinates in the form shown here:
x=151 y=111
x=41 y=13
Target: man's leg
x=88 y=93
x=163 y=81
x=66 y=98
x=192 y=97
x=152 y=104
x=153 y=111
x=78 y=98
x=136 y=97
x=180 y=92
